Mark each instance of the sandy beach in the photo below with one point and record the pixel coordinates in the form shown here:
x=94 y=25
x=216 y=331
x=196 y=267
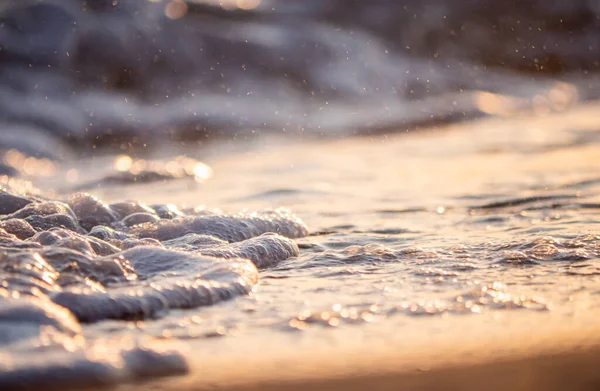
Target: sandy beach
x=291 y=194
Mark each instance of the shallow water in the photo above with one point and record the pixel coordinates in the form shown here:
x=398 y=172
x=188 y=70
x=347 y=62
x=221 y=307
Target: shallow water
x=406 y=232
x=278 y=241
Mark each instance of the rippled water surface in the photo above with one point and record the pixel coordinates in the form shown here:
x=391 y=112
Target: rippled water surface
x=493 y=223
x=152 y=221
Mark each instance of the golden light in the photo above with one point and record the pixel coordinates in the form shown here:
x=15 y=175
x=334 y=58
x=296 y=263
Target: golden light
x=202 y=172
x=247 y=4
x=176 y=9
x=123 y=163
x=495 y=104
x=29 y=165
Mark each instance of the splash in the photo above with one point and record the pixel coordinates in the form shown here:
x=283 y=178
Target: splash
x=64 y=264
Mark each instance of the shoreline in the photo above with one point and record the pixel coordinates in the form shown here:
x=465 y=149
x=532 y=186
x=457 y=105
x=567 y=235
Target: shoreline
x=550 y=360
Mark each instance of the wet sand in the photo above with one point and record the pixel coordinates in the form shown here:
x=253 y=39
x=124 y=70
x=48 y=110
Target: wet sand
x=558 y=359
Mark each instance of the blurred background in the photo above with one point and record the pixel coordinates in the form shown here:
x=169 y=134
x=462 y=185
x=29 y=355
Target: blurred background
x=91 y=73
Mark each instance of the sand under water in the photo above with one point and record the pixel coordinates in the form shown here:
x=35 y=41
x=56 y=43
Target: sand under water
x=343 y=220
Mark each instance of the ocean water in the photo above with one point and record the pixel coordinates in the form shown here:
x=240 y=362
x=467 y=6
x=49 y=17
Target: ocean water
x=187 y=182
